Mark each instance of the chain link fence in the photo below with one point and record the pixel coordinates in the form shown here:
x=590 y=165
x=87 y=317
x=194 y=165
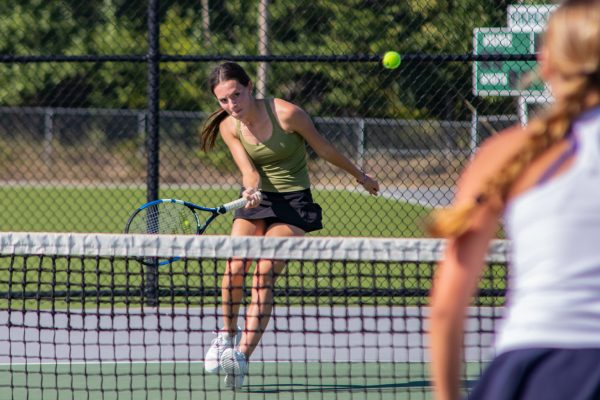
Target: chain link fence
x=102 y=102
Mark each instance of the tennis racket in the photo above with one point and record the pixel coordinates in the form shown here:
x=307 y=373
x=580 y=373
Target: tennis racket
x=175 y=217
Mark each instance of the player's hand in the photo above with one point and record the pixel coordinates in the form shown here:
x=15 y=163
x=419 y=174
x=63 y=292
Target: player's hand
x=370 y=184
x=253 y=196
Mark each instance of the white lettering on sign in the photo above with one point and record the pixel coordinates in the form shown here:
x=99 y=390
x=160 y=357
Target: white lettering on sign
x=529 y=18
x=497 y=40
x=494 y=79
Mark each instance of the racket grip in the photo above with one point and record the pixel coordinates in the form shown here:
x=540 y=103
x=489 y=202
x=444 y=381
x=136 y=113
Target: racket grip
x=234 y=205
x=239 y=203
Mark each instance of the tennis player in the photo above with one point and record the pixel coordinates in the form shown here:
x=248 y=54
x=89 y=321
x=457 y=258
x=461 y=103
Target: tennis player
x=267 y=139
x=545 y=180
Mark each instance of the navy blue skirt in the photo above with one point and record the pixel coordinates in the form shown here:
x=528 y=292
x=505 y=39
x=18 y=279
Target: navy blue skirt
x=541 y=374
x=293 y=208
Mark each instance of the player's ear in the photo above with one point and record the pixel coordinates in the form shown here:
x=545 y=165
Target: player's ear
x=250 y=87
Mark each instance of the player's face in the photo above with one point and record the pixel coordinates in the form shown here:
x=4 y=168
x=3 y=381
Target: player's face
x=233 y=97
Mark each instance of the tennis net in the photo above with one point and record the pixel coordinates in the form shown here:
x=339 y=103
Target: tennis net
x=82 y=317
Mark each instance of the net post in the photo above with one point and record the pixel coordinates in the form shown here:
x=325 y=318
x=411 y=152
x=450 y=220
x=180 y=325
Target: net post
x=152 y=141
x=150 y=285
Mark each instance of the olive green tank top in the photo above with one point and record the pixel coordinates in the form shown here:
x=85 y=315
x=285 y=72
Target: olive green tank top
x=280 y=160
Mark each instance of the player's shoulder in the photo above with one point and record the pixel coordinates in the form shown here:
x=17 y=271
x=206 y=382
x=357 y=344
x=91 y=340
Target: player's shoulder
x=501 y=146
x=285 y=109
x=290 y=116
x=491 y=157
x=228 y=127
x=282 y=105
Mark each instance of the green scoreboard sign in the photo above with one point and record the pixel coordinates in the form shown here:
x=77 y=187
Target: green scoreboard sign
x=504 y=78
x=521 y=36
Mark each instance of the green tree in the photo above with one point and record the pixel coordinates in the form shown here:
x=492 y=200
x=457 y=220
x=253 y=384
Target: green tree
x=418 y=89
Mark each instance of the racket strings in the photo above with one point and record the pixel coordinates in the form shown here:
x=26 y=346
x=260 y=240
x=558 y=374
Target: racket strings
x=165 y=218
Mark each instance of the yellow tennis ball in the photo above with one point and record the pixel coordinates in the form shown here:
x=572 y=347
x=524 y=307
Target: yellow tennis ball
x=391 y=60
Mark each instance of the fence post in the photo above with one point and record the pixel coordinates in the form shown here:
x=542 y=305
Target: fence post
x=152 y=139
x=474 y=128
x=48 y=134
x=263 y=47
x=360 y=146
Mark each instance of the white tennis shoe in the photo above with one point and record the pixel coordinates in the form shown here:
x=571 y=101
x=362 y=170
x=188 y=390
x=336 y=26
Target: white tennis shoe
x=219 y=344
x=235 y=365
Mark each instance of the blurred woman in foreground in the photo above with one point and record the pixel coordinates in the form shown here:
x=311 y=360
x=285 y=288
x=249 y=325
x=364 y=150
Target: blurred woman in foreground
x=544 y=180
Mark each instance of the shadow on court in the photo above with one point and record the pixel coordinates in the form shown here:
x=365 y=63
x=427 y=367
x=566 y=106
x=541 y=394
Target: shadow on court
x=293 y=387
x=400 y=390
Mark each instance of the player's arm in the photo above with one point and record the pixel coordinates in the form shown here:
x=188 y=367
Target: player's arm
x=457 y=275
x=250 y=176
x=294 y=119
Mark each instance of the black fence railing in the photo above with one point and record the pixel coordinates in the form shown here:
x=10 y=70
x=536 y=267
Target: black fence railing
x=102 y=102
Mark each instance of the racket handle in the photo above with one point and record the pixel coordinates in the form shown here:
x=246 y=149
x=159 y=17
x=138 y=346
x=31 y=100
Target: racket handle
x=236 y=204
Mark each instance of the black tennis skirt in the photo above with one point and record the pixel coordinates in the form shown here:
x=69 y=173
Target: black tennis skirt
x=293 y=208
x=541 y=374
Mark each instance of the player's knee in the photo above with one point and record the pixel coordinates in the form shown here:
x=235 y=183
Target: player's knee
x=235 y=267
x=267 y=272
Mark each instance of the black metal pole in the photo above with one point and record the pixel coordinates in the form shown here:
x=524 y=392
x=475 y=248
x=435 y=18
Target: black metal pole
x=152 y=135
x=152 y=139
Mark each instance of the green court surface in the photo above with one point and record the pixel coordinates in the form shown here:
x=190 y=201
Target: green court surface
x=166 y=381
x=283 y=380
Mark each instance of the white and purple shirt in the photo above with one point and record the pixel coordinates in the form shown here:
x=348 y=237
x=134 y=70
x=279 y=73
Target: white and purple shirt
x=554 y=285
